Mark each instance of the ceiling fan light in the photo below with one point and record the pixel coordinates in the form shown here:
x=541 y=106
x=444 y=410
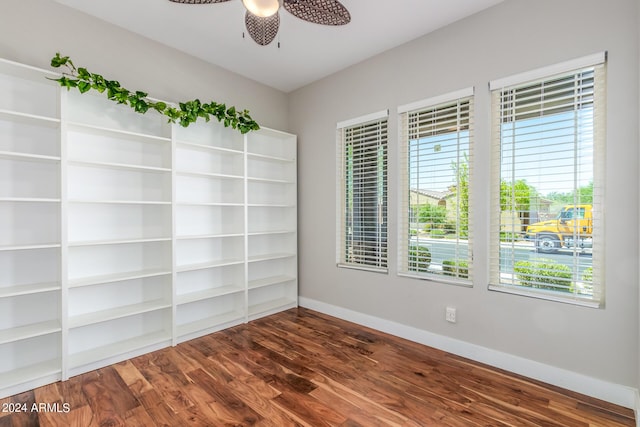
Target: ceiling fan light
x=262 y=8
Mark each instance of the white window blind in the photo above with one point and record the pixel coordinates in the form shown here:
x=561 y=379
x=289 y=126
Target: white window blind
x=435 y=230
x=362 y=193
x=548 y=160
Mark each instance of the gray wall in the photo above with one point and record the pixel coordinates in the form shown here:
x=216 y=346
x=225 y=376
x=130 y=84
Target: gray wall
x=514 y=36
x=32 y=31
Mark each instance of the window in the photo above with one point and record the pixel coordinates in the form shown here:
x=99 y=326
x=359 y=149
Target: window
x=548 y=148
x=362 y=192
x=435 y=231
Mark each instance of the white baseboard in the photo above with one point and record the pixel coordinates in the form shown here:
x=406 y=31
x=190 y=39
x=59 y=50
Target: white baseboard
x=580 y=383
x=637 y=408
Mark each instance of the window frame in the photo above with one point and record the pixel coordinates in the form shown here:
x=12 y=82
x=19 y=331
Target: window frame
x=435 y=104
x=379 y=260
x=596 y=62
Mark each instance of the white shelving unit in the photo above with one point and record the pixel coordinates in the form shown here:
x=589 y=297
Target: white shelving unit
x=209 y=229
x=271 y=237
x=144 y=234
x=119 y=232
x=30 y=298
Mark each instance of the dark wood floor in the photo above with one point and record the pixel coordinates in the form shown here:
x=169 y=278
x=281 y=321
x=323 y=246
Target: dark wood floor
x=303 y=368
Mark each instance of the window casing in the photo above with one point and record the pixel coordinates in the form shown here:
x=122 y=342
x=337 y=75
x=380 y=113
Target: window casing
x=362 y=193
x=435 y=219
x=548 y=159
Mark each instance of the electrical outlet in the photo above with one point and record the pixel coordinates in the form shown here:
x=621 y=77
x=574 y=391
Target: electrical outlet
x=450 y=315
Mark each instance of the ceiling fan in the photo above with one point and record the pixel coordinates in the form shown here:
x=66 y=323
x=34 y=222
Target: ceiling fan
x=263 y=20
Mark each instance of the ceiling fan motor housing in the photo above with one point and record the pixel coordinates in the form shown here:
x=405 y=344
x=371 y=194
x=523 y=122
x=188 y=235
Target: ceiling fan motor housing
x=262 y=18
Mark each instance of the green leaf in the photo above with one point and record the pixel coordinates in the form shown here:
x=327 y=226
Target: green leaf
x=84 y=86
x=58 y=61
x=97 y=78
x=67 y=82
x=122 y=97
x=99 y=83
x=160 y=107
x=84 y=74
x=172 y=113
x=141 y=106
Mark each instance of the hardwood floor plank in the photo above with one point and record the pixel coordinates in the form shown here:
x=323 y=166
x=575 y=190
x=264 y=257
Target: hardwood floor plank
x=276 y=362
x=278 y=371
x=139 y=417
x=72 y=393
x=23 y=416
x=56 y=413
x=132 y=377
x=259 y=396
x=601 y=414
x=163 y=415
x=205 y=411
x=166 y=381
x=360 y=409
x=108 y=396
x=309 y=409
x=150 y=398
x=525 y=410
x=304 y=368
x=81 y=416
x=231 y=409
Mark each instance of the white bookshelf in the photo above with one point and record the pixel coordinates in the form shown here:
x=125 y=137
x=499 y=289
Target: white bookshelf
x=119 y=229
x=121 y=234
x=271 y=206
x=209 y=229
x=30 y=240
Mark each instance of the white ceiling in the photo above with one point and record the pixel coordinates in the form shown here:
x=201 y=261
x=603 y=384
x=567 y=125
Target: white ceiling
x=307 y=52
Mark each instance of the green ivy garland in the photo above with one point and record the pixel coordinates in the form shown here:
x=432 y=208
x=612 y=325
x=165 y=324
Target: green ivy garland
x=187 y=113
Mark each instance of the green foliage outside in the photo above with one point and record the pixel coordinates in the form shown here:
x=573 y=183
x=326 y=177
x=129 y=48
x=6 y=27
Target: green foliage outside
x=459 y=269
x=506 y=236
x=584 y=195
x=517 y=196
x=432 y=216
x=587 y=281
x=419 y=258
x=462 y=172
x=437 y=233
x=544 y=274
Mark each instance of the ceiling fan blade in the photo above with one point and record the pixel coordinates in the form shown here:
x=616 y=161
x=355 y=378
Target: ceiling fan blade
x=262 y=30
x=198 y=1
x=325 y=12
